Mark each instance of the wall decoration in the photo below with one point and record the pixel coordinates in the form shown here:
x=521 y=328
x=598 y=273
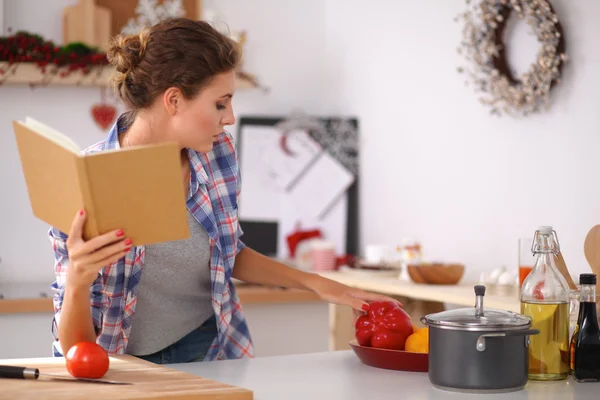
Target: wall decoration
x=54 y=61
x=104 y=113
x=488 y=70
x=339 y=136
x=149 y=12
x=295 y=172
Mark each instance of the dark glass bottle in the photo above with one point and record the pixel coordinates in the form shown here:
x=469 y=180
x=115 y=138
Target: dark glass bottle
x=585 y=362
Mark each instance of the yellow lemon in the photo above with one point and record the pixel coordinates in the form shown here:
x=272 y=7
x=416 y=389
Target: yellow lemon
x=417 y=343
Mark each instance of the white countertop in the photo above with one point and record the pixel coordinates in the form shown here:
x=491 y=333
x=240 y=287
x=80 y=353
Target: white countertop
x=341 y=375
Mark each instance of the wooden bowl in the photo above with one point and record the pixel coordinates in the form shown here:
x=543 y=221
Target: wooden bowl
x=436 y=273
x=391 y=359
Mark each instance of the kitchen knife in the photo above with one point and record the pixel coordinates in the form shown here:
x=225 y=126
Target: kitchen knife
x=9 y=371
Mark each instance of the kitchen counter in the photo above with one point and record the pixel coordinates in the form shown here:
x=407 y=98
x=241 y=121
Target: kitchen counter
x=340 y=375
x=36 y=298
x=505 y=298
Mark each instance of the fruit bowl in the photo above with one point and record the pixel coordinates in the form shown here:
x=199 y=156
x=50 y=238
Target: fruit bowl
x=436 y=273
x=391 y=359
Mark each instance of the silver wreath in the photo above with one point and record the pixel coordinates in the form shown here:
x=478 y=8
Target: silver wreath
x=531 y=92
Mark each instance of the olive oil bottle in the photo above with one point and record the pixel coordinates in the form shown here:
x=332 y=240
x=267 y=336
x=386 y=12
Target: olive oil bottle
x=545 y=298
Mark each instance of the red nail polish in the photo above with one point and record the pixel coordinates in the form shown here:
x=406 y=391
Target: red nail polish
x=128 y=241
x=127 y=249
x=365 y=307
x=120 y=233
x=81 y=212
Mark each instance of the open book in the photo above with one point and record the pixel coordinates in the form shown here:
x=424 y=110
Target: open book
x=138 y=189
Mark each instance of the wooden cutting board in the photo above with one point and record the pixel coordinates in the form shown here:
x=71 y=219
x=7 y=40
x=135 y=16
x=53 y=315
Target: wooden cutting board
x=85 y=22
x=150 y=381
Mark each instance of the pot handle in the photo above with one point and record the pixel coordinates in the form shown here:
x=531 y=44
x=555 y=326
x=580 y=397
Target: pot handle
x=480 y=345
x=423 y=321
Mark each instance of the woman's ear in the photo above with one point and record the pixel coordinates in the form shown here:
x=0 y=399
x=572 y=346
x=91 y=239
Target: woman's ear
x=172 y=100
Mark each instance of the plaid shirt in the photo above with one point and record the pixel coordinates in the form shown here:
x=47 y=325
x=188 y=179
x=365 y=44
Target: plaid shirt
x=212 y=199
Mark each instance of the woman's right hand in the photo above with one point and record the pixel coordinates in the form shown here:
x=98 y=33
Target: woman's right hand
x=88 y=258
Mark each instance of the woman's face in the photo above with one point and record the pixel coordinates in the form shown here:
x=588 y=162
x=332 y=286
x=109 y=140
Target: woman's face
x=197 y=123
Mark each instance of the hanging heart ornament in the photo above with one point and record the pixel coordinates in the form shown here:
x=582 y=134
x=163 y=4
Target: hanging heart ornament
x=104 y=114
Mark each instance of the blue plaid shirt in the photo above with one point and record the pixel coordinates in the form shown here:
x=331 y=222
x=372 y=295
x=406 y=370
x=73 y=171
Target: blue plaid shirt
x=212 y=199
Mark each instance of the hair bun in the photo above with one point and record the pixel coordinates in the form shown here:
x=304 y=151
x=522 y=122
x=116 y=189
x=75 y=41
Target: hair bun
x=125 y=52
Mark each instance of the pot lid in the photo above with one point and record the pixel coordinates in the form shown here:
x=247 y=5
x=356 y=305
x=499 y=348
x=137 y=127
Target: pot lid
x=478 y=317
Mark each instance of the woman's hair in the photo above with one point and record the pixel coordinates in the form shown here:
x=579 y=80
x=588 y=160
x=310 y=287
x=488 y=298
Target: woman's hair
x=177 y=52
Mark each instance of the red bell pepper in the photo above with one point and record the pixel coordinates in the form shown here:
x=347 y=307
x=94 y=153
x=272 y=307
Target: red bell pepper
x=386 y=325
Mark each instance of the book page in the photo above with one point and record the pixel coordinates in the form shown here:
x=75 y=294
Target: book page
x=52 y=134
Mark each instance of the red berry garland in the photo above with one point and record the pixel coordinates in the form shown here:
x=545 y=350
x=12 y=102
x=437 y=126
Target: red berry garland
x=24 y=47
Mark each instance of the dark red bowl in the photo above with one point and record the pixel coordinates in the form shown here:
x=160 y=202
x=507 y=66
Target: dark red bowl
x=391 y=359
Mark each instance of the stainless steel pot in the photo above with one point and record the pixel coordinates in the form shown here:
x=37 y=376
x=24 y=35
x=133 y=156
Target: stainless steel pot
x=477 y=349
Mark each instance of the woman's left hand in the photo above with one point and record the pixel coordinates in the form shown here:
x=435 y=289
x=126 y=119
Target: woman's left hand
x=335 y=292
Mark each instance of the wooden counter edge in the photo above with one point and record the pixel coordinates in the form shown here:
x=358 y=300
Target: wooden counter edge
x=247 y=295
x=26 y=306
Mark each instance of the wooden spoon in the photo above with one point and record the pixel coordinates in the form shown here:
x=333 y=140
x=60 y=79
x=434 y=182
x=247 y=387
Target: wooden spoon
x=591 y=248
x=562 y=267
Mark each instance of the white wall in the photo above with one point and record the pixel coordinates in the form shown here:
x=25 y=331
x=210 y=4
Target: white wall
x=435 y=165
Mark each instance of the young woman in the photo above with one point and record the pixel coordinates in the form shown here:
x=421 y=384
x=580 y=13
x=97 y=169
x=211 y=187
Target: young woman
x=173 y=302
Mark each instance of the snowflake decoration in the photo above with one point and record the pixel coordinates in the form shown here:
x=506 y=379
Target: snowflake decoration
x=149 y=13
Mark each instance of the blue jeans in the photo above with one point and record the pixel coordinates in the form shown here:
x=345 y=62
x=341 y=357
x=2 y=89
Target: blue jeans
x=192 y=347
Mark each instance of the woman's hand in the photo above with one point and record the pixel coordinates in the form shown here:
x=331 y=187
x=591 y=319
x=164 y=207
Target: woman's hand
x=86 y=259
x=335 y=292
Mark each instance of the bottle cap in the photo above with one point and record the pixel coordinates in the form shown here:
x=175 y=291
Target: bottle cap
x=545 y=230
x=587 y=279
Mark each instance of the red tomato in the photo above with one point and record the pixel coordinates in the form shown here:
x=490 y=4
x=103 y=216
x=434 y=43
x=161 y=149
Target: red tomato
x=87 y=360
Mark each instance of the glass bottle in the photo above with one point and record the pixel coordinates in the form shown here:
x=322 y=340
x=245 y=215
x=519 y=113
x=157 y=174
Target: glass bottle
x=545 y=298
x=585 y=344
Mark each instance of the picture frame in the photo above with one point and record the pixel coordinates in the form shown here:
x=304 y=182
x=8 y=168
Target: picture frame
x=343 y=221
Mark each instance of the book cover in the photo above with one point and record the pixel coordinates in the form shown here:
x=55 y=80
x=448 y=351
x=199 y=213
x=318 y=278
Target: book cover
x=138 y=189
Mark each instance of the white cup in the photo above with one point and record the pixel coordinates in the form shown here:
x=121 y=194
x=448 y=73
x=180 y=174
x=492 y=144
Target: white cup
x=376 y=254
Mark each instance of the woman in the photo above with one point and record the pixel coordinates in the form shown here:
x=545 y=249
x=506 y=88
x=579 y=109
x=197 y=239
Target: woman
x=173 y=302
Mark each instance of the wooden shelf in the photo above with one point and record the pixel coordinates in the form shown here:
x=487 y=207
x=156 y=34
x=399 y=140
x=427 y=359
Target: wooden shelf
x=27 y=73
x=248 y=294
